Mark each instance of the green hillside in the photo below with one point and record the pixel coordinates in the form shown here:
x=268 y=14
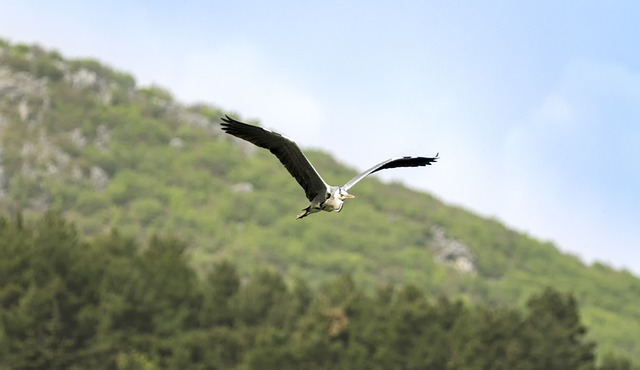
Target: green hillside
x=83 y=139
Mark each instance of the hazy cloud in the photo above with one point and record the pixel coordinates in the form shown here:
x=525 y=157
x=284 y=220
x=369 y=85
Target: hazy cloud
x=241 y=78
x=565 y=164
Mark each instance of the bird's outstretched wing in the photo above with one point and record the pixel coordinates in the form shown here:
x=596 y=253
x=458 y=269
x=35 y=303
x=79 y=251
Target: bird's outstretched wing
x=392 y=163
x=285 y=149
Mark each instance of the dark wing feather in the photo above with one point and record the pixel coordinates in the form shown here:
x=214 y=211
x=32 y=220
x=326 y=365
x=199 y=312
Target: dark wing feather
x=392 y=163
x=285 y=149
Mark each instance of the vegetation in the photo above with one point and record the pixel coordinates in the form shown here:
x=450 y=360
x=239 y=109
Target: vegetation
x=147 y=308
x=82 y=139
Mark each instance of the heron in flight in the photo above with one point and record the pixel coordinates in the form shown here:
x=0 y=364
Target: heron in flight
x=322 y=196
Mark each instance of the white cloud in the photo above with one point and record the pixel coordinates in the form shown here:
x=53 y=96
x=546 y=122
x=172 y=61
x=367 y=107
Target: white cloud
x=568 y=173
x=239 y=77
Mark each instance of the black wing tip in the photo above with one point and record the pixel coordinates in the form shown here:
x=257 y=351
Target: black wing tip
x=228 y=124
x=228 y=120
x=421 y=160
x=430 y=160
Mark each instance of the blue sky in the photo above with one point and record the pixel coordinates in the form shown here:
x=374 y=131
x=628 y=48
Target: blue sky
x=533 y=106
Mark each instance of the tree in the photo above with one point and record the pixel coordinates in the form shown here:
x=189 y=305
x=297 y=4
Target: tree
x=613 y=362
x=222 y=284
x=490 y=339
x=556 y=337
x=260 y=299
x=48 y=293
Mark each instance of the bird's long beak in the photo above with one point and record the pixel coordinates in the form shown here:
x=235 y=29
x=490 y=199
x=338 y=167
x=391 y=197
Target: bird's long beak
x=348 y=196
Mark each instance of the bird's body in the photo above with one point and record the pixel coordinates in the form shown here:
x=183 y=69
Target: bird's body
x=322 y=196
x=331 y=201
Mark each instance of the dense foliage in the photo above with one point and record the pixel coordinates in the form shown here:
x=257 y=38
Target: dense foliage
x=111 y=304
x=82 y=139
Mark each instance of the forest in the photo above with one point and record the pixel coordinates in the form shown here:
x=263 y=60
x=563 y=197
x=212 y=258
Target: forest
x=112 y=303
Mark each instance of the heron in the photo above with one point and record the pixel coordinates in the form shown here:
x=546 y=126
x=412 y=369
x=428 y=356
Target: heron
x=323 y=197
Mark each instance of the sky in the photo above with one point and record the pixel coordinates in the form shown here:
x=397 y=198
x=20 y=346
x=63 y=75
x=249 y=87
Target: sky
x=534 y=107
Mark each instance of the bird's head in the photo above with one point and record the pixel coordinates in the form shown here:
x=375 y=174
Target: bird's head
x=344 y=195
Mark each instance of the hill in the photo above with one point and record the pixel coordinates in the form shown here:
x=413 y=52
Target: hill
x=84 y=140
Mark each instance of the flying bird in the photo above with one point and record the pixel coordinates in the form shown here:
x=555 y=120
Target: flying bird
x=322 y=196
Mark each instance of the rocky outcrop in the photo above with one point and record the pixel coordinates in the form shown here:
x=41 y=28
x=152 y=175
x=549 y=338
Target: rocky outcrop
x=24 y=99
x=452 y=252
x=242 y=187
x=38 y=145
x=84 y=79
x=30 y=95
x=3 y=178
x=41 y=157
x=17 y=86
x=99 y=178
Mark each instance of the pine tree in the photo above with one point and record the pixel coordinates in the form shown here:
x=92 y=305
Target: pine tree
x=556 y=337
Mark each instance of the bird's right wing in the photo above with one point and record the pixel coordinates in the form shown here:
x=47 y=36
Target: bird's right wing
x=392 y=163
x=285 y=149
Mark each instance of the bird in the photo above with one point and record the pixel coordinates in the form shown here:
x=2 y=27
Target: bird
x=322 y=196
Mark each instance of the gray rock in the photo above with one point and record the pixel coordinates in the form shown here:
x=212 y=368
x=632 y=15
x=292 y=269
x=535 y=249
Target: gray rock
x=176 y=142
x=452 y=252
x=78 y=139
x=99 y=178
x=242 y=187
x=102 y=138
x=3 y=178
x=15 y=86
x=82 y=79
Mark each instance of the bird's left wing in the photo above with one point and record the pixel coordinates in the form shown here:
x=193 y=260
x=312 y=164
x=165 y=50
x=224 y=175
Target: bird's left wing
x=285 y=149
x=392 y=163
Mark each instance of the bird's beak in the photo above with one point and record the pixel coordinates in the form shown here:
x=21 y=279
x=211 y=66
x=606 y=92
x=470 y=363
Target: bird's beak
x=348 y=196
